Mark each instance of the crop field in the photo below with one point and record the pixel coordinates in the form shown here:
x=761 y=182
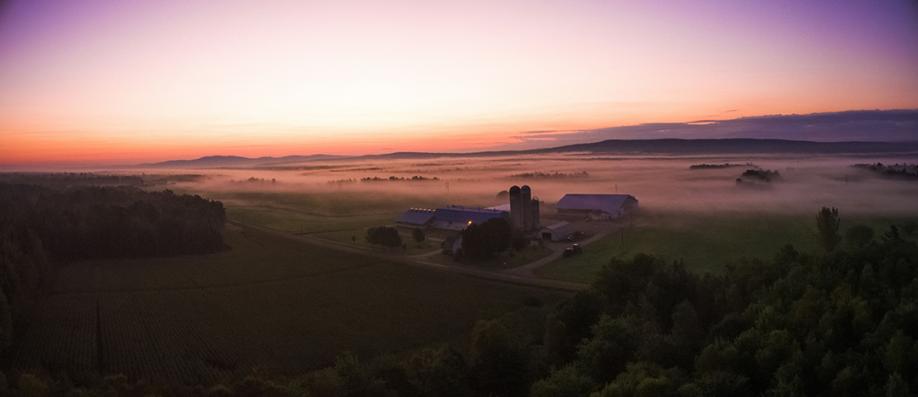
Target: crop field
x=269 y=303
x=705 y=241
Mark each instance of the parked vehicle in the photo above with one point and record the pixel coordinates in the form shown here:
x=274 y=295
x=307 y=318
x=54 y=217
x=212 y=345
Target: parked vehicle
x=572 y=250
x=575 y=236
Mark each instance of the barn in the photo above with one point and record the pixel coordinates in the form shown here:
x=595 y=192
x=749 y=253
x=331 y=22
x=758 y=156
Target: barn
x=415 y=218
x=458 y=218
x=597 y=206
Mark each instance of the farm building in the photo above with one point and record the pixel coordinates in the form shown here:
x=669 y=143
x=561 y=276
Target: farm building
x=597 y=206
x=557 y=231
x=451 y=218
x=415 y=218
x=458 y=218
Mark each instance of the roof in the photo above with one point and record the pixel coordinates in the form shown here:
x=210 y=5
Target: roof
x=463 y=215
x=416 y=216
x=502 y=207
x=609 y=203
x=557 y=226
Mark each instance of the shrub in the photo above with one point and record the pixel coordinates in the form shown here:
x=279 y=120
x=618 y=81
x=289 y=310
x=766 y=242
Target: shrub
x=32 y=386
x=418 y=235
x=384 y=235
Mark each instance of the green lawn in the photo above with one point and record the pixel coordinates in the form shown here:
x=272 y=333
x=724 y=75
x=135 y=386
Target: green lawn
x=269 y=302
x=706 y=242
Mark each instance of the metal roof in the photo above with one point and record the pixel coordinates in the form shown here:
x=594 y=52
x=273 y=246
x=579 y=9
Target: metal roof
x=416 y=216
x=502 y=207
x=609 y=203
x=463 y=215
x=557 y=226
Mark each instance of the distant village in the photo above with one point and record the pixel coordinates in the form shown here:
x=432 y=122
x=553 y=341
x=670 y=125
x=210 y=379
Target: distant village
x=574 y=215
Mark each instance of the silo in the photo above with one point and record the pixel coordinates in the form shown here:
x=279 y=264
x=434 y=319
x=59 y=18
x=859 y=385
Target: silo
x=526 y=207
x=516 y=210
x=534 y=214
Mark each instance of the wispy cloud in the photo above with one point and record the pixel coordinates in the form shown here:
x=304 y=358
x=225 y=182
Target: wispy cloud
x=857 y=125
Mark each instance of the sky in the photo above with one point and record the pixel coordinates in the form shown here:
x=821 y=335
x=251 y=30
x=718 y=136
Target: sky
x=136 y=80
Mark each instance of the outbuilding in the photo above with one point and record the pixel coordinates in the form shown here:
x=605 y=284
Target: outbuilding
x=597 y=206
x=557 y=231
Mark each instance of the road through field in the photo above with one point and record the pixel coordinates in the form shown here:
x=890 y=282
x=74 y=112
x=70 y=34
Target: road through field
x=528 y=270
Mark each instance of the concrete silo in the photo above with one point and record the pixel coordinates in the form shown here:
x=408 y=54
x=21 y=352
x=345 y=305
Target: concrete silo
x=526 y=208
x=516 y=208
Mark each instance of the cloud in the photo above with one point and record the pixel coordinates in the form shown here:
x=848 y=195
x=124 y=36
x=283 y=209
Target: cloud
x=856 y=125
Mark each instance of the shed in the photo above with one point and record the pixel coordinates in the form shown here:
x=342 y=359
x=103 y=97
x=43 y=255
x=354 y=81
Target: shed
x=557 y=231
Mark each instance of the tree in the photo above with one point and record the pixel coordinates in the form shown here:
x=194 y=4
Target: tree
x=827 y=222
x=439 y=372
x=32 y=386
x=482 y=241
x=613 y=345
x=384 y=235
x=858 y=236
x=565 y=382
x=499 y=363
x=896 y=386
x=418 y=235
x=686 y=335
x=6 y=322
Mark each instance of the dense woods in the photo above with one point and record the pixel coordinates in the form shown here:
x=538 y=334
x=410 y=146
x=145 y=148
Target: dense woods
x=107 y=222
x=41 y=226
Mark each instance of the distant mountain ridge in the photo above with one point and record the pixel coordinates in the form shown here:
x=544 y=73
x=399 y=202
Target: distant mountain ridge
x=665 y=146
x=218 y=161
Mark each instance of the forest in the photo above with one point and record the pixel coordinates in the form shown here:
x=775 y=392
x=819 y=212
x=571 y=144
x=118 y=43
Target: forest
x=840 y=323
x=46 y=226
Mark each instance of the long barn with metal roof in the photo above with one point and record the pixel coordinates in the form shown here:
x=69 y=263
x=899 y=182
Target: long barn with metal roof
x=454 y=218
x=604 y=206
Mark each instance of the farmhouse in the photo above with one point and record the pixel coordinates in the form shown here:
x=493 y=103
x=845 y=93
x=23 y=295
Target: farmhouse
x=597 y=206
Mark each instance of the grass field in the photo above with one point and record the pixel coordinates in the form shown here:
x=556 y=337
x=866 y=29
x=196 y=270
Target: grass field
x=340 y=218
x=268 y=303
x=705 y=241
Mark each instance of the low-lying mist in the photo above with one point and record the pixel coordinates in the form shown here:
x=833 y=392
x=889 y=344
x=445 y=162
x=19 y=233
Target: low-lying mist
x=660 y=183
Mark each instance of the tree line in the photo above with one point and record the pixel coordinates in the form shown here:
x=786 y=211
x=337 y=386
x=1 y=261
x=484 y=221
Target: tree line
x=41 y=226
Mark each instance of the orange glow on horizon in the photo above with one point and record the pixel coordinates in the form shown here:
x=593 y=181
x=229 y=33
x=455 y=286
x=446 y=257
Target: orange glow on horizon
x=111 y=82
